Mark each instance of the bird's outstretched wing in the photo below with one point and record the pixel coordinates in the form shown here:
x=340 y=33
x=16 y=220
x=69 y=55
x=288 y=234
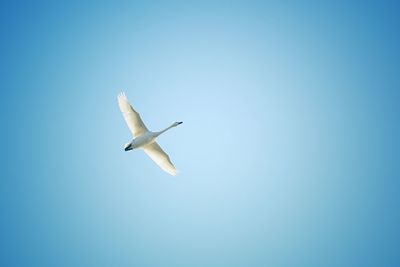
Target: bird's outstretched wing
x=132 y=118
x=155 y=152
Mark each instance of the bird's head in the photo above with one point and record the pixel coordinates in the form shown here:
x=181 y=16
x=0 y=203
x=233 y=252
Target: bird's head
x=128 y=146
x=177 y=123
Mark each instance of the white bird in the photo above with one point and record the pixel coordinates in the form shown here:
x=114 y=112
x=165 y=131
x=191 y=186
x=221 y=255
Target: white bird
x=143 y=138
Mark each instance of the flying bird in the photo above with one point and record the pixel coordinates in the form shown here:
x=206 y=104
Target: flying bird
x=143 y=138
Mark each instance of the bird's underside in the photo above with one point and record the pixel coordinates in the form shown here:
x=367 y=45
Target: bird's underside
x=138 y=128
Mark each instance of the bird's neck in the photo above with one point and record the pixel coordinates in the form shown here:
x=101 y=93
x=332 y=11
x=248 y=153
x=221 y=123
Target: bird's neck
x=166 y=129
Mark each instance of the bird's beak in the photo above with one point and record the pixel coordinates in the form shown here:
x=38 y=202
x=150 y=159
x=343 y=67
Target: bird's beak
x=180 y=122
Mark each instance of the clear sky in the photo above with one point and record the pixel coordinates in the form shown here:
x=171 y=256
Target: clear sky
x=288 y=155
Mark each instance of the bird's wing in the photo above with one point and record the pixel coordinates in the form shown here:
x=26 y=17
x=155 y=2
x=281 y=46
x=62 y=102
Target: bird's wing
x=155 y=152
x=131 y=117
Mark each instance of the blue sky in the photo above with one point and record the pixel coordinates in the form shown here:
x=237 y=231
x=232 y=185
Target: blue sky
x=288 y=154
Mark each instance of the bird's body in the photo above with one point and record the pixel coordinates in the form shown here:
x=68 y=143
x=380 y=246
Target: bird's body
x=143 y=138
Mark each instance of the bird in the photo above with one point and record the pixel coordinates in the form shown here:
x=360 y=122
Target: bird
x=143 y=138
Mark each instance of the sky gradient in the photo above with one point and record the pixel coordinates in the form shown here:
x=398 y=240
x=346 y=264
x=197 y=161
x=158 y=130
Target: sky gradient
x=288 y=154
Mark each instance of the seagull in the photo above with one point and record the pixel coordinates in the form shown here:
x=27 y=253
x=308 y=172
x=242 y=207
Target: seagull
x=143 y=138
